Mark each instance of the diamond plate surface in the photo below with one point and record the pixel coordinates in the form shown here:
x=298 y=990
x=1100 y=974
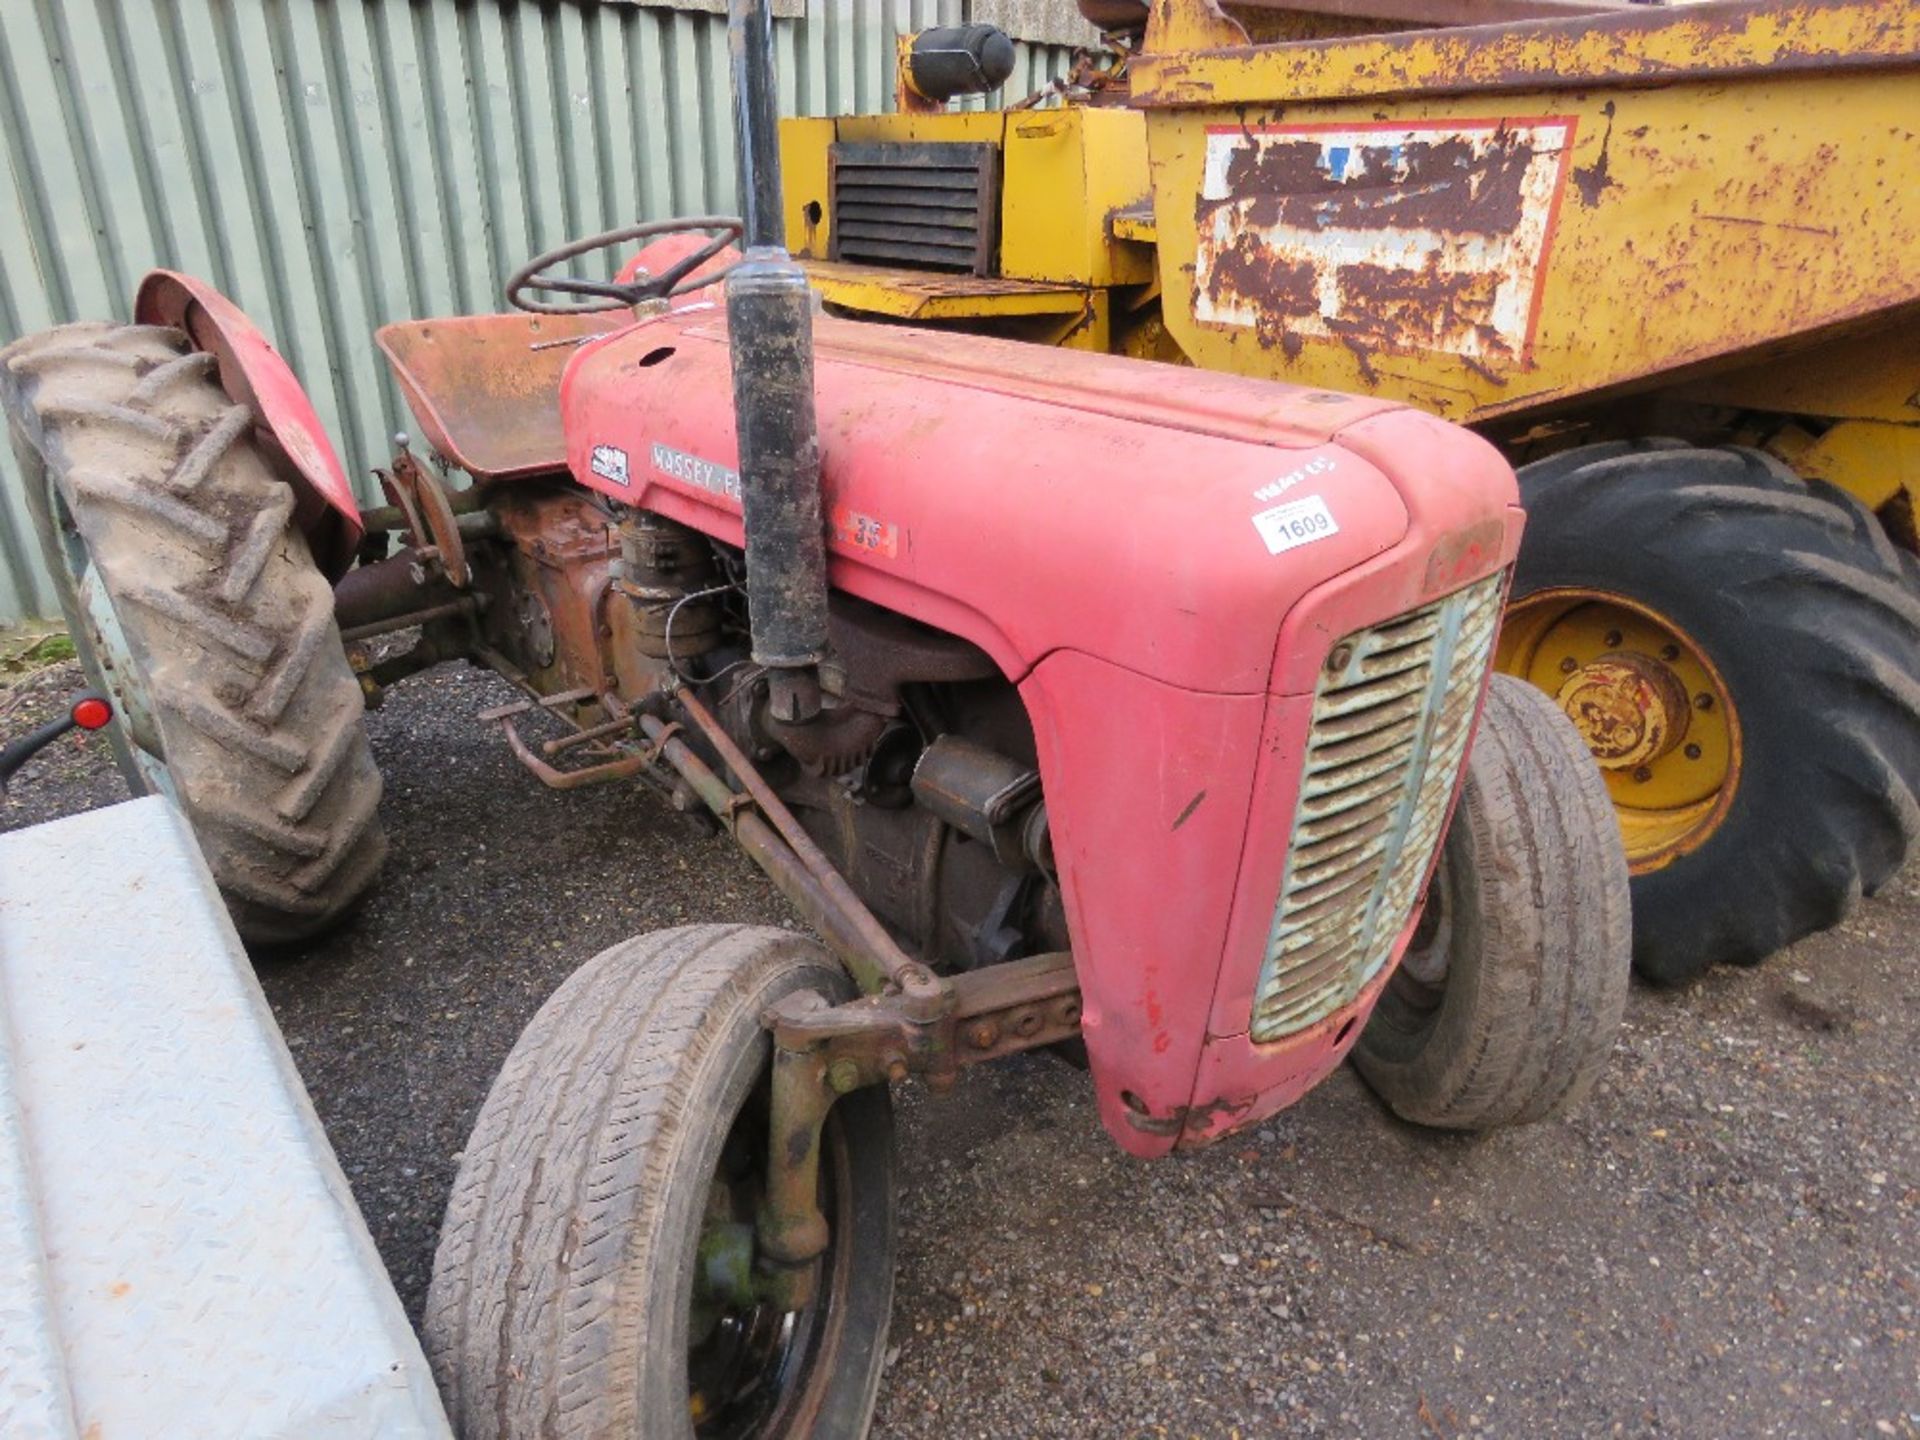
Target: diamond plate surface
x=179 y=1252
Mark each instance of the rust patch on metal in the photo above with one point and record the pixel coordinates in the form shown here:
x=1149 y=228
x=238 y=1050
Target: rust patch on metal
x=1447 y=184
x=1631 y=709
x=1404 y=238
x=1592 y=181
x=1628 y=47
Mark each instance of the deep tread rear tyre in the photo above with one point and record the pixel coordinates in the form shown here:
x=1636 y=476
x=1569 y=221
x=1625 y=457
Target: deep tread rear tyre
x=1527 y=947
x=162 y=519
x=559 y=1306
x=1806 y=612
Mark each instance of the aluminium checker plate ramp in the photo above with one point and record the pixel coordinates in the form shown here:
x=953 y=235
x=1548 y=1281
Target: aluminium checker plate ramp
x=179 y=1252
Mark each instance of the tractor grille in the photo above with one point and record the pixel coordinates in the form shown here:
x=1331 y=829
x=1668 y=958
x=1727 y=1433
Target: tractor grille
x=1389 y=733
x=923 y=206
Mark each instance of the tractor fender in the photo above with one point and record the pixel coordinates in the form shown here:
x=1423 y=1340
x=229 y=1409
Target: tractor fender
x=252 y=372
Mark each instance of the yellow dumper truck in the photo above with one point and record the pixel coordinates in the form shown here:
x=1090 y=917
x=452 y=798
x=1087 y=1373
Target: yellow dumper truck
x=1667 y=258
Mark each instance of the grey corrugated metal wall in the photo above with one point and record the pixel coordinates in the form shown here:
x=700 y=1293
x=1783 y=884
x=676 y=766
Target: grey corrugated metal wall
x=331 y=164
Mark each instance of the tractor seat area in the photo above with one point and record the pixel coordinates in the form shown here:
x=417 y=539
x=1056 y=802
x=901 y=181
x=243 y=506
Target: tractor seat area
x=486 y=388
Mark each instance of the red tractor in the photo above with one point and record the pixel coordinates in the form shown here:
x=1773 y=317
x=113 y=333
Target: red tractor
x=1072 y=701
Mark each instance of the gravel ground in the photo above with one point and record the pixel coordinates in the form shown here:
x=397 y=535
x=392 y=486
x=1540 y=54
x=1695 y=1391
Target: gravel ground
x=1724 y=1242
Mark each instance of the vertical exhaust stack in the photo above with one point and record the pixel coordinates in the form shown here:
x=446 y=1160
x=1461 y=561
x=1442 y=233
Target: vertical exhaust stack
x=770 y=321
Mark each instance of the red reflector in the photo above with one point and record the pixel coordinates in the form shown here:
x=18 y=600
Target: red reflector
x=91 y=713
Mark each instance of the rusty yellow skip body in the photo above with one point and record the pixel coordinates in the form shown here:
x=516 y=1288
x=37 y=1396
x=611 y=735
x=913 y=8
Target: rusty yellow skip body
x=1658 y=197
x=1667 y=198
x=1669 y=254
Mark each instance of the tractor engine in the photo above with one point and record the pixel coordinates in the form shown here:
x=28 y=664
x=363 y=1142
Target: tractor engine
x=918 y=776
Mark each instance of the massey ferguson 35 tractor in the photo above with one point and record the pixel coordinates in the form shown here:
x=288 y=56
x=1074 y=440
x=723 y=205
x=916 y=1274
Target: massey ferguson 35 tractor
x=1072 y=701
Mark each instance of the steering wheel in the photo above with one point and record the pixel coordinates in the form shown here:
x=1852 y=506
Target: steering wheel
x=676 y=279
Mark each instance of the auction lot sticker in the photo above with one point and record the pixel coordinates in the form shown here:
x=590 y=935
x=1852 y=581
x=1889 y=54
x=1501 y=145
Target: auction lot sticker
x=1298 y=522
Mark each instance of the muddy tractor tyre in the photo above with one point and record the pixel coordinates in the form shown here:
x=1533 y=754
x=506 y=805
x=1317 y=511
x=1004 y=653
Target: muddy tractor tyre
x=194 y=605
x=1766 y=775
x=583 y=1286
x=1509 y=998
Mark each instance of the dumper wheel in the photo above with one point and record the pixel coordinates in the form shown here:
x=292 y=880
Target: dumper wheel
x=1505 y=1007
x=597 y=1272
x=1742 y=652
x=195 y=606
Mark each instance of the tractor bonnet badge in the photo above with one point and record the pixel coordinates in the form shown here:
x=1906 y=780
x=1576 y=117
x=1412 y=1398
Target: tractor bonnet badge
x=707 y=474
x=609 y=462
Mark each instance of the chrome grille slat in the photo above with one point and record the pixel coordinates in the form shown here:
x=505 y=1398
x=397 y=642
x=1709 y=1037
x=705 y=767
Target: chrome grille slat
x=1334 y=802
x=1363 y=722
x=1311 y=902
x=1377 y=692
x=1386 y=758
x=1415 y=654
x=1356 y=853
x=1332 y=826
x=1385 y=747
x=1342 y=753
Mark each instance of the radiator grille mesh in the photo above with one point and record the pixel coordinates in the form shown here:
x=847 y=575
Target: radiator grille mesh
x=1388 y=736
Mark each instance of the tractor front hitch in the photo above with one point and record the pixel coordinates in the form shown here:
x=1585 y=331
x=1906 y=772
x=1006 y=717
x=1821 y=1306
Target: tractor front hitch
x=823 y=1051
x=908 y=1021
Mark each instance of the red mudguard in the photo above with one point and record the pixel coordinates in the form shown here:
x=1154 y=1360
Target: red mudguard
x=252 y=372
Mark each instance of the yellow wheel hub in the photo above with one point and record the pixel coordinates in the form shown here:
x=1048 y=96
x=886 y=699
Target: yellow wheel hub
x=1649 y=703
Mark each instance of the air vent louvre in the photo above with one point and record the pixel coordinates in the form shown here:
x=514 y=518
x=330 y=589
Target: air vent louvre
x=931 y=206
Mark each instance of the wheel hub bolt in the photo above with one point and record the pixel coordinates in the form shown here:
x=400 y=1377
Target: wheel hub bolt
x=844 y=1075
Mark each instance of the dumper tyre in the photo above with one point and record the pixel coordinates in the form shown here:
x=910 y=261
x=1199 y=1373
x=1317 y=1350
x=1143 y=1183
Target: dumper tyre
x=1803 y=617
x=194 y=604
x=565 y=1302
x=1507 y=1003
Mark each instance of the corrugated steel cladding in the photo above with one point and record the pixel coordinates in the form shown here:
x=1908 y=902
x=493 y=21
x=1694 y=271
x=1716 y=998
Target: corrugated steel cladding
x=332 y=164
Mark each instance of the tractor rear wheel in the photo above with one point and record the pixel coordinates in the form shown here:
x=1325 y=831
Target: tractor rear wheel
x=195 y=607
x=1506 y=1005
x=1742 y=653
x=596 y=1274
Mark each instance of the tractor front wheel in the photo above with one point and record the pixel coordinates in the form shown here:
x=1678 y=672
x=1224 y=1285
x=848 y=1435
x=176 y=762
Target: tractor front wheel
x=1741 y=651
x=195 y=606
x=1506 y=1005
x=597 y=1272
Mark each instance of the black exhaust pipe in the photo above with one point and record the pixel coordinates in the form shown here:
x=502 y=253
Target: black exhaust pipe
x=770 y=322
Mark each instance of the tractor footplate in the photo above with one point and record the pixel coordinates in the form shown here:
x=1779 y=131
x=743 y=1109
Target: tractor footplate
x=613 y=761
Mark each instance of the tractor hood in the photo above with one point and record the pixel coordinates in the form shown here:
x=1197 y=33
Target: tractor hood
x=1165 y=562
x=1033 y=501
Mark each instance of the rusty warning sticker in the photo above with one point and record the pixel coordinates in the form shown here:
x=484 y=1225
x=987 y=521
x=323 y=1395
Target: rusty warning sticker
x=1385 y=236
